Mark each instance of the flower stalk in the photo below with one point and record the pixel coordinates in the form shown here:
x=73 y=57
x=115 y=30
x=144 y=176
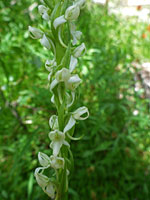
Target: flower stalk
x=62 y=41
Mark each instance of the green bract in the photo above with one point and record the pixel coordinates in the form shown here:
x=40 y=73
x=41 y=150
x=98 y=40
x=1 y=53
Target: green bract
x=63 y=84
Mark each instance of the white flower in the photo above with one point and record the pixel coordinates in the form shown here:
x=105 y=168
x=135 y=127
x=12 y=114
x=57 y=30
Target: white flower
x=58 y=21
x=41 y=179
x=57 y=162
x=75 y=34
x=58 y=139
x=50 y=190
x=35 y=33
x=43 y=12
x=53 y=122
x=44 y=160
x=79 y=51
x=71 y=14
x=45 y=42
x=76 y=115
x=63 y=75
x=73 y=82
x=44 y=182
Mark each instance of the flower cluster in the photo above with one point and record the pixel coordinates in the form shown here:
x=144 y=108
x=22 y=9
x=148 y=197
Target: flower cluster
x=63 y=84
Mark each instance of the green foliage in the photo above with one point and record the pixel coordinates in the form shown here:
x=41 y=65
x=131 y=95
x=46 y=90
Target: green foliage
x=112 y=160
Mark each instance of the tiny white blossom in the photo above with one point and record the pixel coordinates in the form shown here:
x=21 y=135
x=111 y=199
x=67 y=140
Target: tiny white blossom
x=41 y=179
x=35 y=33
x=58 y=139
x=63 y=75
x=44 y=182
x=76 y=115
x=57 y=162
x=72 y=12
x=50 y=190
x=73 y=82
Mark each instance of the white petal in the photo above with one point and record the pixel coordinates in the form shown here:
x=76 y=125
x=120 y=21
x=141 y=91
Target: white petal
x=71 y=99
x=45 y=42
x=58 y=21
x=79 y=112
x=73 y=82
x=66 y=143
x=57 y=162
x=53 y=84
x=56 y=147
x=35 y=33
x=70 y=124
x=50 y=190
x=73 y=63
x=53 y=99
x=43 y=159
x=63 y=75
x=72 y=12
x=79 y=51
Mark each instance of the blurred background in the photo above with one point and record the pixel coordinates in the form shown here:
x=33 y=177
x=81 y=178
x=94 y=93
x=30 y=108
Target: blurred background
x=112 y=161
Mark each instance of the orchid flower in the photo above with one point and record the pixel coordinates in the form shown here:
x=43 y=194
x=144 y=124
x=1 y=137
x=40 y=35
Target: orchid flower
x=63 y=83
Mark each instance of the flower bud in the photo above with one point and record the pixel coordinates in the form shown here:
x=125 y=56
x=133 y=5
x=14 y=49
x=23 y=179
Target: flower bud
x=79 y=51
x=43 y=159
x=72 y=13
x=45 y=42
x=35 y=33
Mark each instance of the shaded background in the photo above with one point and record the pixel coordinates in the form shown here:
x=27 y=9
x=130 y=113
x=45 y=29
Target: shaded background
x=112 y=160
